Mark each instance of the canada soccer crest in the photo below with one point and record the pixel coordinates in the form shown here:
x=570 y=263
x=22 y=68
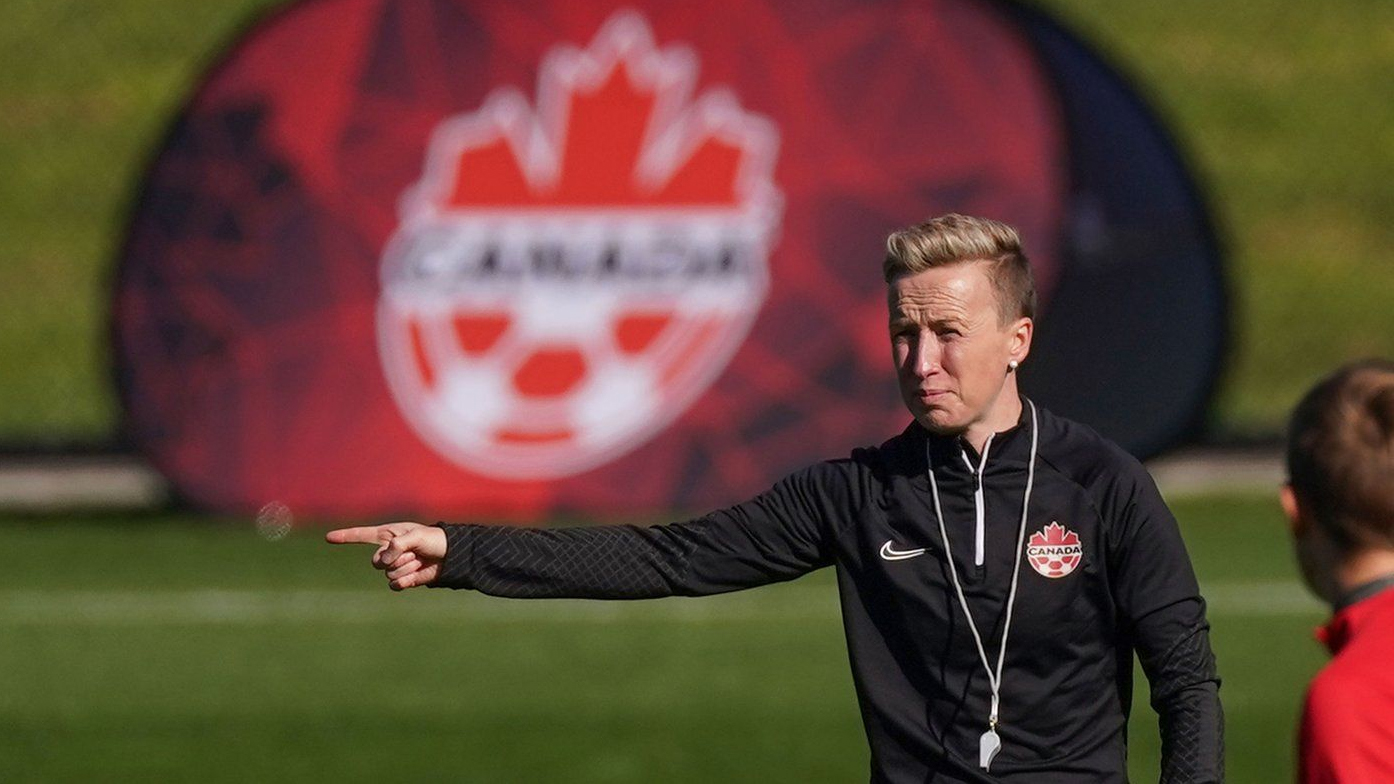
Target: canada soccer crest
x=566 y=280
x=1054 y=551
x=510 y=260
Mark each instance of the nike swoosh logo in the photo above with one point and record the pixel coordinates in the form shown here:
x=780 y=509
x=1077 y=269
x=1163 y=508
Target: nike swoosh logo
x=891 y=554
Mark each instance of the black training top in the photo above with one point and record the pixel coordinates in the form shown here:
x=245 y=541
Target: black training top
x=1080 y=612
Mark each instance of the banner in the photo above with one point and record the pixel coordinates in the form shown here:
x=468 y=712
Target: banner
x=515 y=259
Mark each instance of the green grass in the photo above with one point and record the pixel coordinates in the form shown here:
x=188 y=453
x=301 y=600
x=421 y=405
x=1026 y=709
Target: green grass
x=171 y=648
x=1283 y=108
x=86 y=93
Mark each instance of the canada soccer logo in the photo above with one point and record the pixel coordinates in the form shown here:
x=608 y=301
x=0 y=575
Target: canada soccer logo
x=567 y=279
x=1054 y=551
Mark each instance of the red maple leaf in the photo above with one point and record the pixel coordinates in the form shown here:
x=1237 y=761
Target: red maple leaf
x=1053 y=535
x=614 y=127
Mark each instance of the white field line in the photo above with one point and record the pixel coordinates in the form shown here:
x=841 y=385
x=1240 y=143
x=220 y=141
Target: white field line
x=231 y=607
x=246 y=607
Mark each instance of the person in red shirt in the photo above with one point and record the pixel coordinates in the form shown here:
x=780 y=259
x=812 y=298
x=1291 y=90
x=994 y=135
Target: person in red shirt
x=1340 y=501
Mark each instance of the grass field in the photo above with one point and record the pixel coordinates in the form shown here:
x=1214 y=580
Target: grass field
x=1283 y=109
x=171 y=648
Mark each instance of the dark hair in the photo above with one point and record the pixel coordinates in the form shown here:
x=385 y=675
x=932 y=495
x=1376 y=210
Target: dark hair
x=1340 y=454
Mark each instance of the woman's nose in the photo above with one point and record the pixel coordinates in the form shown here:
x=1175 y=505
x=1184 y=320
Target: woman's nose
x=926 y=356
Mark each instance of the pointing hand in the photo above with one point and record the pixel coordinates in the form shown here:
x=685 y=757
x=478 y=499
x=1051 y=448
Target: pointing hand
x=410 y=553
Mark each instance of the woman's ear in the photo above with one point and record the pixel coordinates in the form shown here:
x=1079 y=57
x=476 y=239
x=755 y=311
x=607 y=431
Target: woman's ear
x=1020 y=345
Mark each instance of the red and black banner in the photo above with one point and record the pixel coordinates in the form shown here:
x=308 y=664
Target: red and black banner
x=521 y=258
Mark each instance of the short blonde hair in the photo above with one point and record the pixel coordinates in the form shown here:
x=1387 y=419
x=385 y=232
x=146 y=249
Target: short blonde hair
x=959 y=239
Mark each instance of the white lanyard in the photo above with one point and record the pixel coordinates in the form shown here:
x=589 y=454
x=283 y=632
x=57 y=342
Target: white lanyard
x=989 y=743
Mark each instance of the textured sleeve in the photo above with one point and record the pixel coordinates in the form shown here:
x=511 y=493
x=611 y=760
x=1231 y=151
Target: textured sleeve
x=778 y=535
x=1160 y=602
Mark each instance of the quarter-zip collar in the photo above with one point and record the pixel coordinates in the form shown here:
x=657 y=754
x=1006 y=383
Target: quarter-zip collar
x=947 y=451
x=979 y=502
x=956 y=459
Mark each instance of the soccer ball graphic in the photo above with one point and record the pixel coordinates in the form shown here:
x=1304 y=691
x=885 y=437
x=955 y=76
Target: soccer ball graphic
x=1054 y=551
x=566 y=281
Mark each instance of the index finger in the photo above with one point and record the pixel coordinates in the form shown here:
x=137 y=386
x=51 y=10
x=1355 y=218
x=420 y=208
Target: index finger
x=364 y=534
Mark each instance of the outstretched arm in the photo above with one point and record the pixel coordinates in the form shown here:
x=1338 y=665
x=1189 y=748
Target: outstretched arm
x=779 y=535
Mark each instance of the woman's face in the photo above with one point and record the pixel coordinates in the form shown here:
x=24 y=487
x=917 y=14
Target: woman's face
x=951 y=349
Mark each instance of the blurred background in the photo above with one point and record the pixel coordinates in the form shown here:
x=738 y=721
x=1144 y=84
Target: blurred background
x=147 y=638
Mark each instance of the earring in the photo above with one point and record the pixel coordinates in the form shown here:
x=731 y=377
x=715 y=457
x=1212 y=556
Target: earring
x=1012 y=365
